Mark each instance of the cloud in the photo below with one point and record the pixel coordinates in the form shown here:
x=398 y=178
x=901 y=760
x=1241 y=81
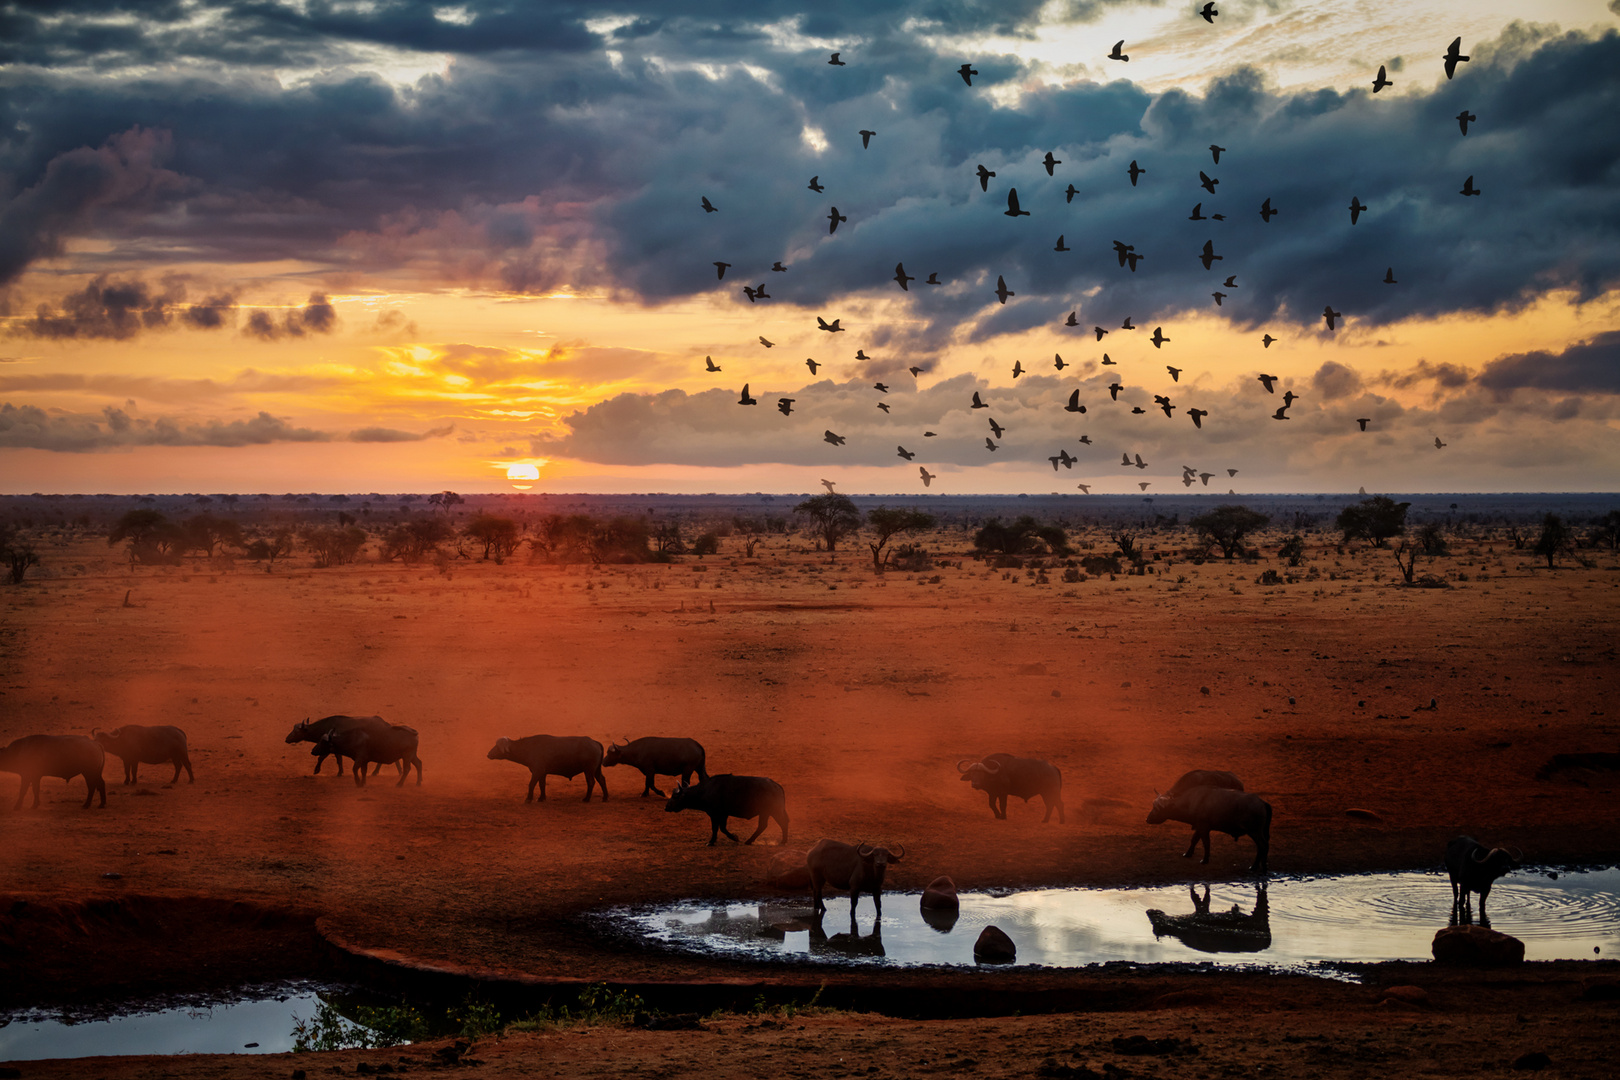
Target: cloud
x=118 y=310
x=1588 y=367
x=30 y=427
x=391 y=435
x=315 y=317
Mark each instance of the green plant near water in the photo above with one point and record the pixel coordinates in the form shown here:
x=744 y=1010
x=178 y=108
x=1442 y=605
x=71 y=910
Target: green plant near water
x=476 y=1019
x=372 y=1027
x=597 y=1004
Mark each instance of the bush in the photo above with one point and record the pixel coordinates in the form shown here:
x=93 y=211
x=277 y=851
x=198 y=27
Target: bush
x=707 y=544
x=411 y=541
x=911 y=558
x=1101 y=564
x=1292 y=550
x=335 y=547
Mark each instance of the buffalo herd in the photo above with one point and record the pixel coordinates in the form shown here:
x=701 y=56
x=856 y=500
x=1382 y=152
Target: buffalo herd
x=1207 y=800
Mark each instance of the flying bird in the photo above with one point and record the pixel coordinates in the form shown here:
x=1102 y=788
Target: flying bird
x=1198 y=420
x=1289 y=397
x=915 y=371
x=1281 y=413
x=833 y=218
x=830 y=327
x=1071 y=320
x=881 y=387
x=1063 y=459
x=1100 y=332
x=1140 y=464
x=1002 y=292
x=710 y=365
x=1158 y=337
x=984 y=177
x=1219 y=296
x=1113 y=391
x=835 y=440
x=745 y=399
x=1197 y=213
x=884 y=405
x=1012 y=205
x=1355 y=209
x=933 y=279
x=977 y=404
x=816 y=184
x=1468 y=187
x=1018 y=368
x=1084 y=487
x=1204 y=476
x=1068 y=196
x=1107 y=361
x=1126 y=325
x=1116 y=54
x=1231 y=472
x=989 y=444
x=1453 y=57
x=1438 y=445
x=927 y=477
x=866 y=138
x=1266 y=341
x=1465 y=118
x=785 y=405
x=1057 y=361
x=1131 y=259
x=1216 y=152
x=1209 y=14
x=967 y=72
x=1363 y=421
x=1266 y=212
x=1125 y=461
x=1164 y=403
x=764 y=342
x=828 y=484
x=1135 y=171
x=720 y=269
x=902 y=277
x=778 y=267
x=860 y=354
x=1085 y=439
x=1074 y=405
x=907 y=454
x=812 y=365
x=1268 y=381
x=1060 y=245
x=748 y=291
x=995 y=427
x=1050 y=161
x=1389 y=276
x=1231 y=282
x=1209 y=185
x=1122 y=250
x=835 y=62
x=928 y=434
x=1330 y=315
x=1380 y=82
x=1209 y=258
x=1175 y=373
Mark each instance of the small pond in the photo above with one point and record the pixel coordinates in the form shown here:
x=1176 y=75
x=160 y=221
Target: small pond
x=1292 y=923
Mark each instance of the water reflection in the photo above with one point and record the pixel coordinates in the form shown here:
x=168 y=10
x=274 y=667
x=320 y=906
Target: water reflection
x=1219 y=931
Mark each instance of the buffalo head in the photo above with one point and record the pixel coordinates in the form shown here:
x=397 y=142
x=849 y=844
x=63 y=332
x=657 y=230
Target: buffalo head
x=297 y=733
x=611 y=757
x=1496 y=861
x=502 y=750
x=976 y=771
x=1160 y=812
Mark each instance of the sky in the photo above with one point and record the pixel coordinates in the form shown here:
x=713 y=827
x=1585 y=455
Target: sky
x=382 y=245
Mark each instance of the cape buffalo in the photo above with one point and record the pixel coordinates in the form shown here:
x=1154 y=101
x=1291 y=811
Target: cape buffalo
x=366 y=746
x=1474 y=868
x=1205 y=778
x=1219 y=931
x=35 y=756
x=311 y=731
x=727 y=796
x=846 y=866
x=554 y=755
x=1217 y=809
x=1001 y=775
x=137 y=745
x=656 y=756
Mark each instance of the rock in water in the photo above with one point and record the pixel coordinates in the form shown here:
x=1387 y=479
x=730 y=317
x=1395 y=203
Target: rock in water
x=788 y=870
x=941 y=895
x=1475 y=946
x=994 y=947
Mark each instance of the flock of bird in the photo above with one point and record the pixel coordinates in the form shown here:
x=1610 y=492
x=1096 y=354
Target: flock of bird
x=1129 y=259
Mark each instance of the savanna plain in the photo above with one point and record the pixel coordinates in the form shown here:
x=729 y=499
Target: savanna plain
x=858 y=691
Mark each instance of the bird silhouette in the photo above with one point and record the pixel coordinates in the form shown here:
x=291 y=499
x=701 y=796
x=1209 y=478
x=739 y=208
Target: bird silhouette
x=977 y=404
x=1070 y=193
x=1018 y=368
x=1064 y=459
x=1012 y=210
x=833 y=218
x=1158 y=337
x=828 y=484
x=915 y=371
x=1355 y=209
x=902 y=277
x=816 y=184
x=1198 y=417
x=1100 y=332
x=995 y=427
x=710 y=365
x=1132 y=258
x=1389 y=276
x=1330 y=315
x=785 y=405
x=1217 y=217
x=1122 y=250
x=1175 y=373
x=748 y=291
x=1197 y=213
x=1438 y=445
x=1074 y=405
x=1216 y=152
x=1049 y=162
x=1266 y=341
x=989 y=444
x=881 y=387
x=764 y=342
x=907 y=454
x=1468 y=187
x=1209 y=258
x=1116 y=54
x=835 y=62
x=884 y=405
x=1204 y=476
x=1269 y=381
x=866 y=138
x=1465 y=118
x=933 y=279
x=967 y=72
x=1125 y=460
x=1085 y=439
x=1126 y=325
x=830 y=327
x=812 y=365
x=1380 y=82
x=709 y=207
x=1289 y=397
x=1107 y=361
x=1113 y=391
x=984 y=177
x=778 y=267
x=1231 y=472
x=1209 y=14
x=1164 y=403
x=927 y=477
x=928 y=434
x=1140 y=464
x=1058 y=362
x=1363 y=421
x=1002 y=292
x=860 y=354
x=1204 y=179
x=1187 y=479
x=1084 y=487
x=1281 y=413
x=1072 y=320
x=745 y=399
x=720 y=269
x=829 y=437
x=1266 y=212
x=1453 y=57
x=1135 y=171
x=1231 y=282
x=1060 y=245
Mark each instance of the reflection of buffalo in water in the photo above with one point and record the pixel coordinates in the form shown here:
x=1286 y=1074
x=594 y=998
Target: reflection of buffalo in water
x=1222 y=931
x=850 y=944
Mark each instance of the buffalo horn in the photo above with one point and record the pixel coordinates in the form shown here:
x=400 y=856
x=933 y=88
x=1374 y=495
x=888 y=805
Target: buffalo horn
x=1518 y=856
x=900 y=856
x=991 y=767
x=965 y=764
x=1479 y=854
x=863 y=849
x=94 y=732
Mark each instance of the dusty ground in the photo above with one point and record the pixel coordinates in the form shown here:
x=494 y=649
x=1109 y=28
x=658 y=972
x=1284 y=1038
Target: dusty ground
x=858 y=694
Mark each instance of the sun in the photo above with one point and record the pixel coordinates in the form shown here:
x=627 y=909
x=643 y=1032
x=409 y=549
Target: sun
x=522 y=475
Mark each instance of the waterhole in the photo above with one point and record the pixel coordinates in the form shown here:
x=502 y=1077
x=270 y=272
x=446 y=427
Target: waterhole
x=1291 y=923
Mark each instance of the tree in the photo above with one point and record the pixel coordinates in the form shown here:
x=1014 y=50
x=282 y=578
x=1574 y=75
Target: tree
x=563 y=538
x=414 y=539
x=1431 y=540
x=1406 y=558
x=1125 y=539
x=1375 y=519
x=886 y=524
x=16 y=553
x=499 y=535
x=1292 y=549
x=444 y=500
x=1607 y=533
x=152 y=537
x=1025 y=535
x=270 y=548
x=334 y=547
x=618 y=540
x=1228 y=526
x=832 y=517
x=205 y=532
x=1555 y=537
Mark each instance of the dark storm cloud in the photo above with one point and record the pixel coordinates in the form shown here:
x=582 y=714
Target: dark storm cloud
x=315 y=317
x=118 y=310
x=30 y=427
x=550 y=154
x=1588 y=367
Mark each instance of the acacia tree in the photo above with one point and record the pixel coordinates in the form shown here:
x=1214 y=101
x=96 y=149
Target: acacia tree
x=204 y=532
x=270 y=548
x=832 y=517
x=1228 y=526
x=152 y=537
x=499 y=535
x=1021 y=536
x=1375 y=519
x=1555 y=537
x=886 y=524
x=16 y=553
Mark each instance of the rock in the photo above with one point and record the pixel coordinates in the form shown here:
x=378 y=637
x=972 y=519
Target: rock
x=1406 y=995
x=994 y=947
x=1364 y=815
x=788 y=870
x=1475 y=946
x=1534 y=1061
x=940 y=895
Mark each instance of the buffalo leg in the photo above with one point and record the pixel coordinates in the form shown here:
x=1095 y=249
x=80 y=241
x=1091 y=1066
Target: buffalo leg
x=764 y=820
x=1204 y=836
x=782 y=820
x=590 y=782
x=132 y=772
x=92 y=785
x=719 y=821
x=542 y=778
x=357 y=769
x=601 y=782
x=1192 y=847
x=714 y=829
x=191 y=777
x=418 y=763
x=22 y=789
x=651 y=788
x=1484 y=920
